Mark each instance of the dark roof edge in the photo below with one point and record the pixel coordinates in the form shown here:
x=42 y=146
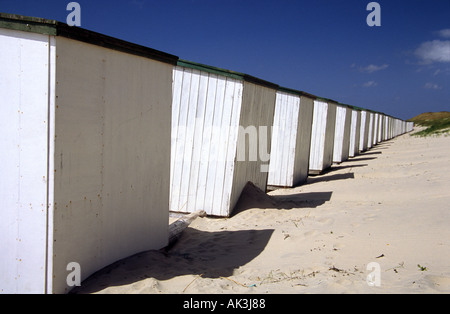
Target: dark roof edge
x=227 y=73
x=210 y=69
x=55 y=28
x=297 y=92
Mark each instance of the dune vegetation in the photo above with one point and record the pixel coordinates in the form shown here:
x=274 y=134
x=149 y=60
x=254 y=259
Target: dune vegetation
x=435 y=123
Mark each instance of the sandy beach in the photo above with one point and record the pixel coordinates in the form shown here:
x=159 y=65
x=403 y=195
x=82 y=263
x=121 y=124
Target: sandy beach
x=389 y=206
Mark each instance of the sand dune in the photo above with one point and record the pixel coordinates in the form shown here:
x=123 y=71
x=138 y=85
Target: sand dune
x=390 y=206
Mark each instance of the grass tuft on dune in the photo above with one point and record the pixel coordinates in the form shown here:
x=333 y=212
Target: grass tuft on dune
x=436 y=123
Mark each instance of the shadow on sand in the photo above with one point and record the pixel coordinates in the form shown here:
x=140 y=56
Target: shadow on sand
x=209 y=254
x=253 y=197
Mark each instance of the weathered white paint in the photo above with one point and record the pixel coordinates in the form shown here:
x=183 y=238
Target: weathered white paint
x=387 y=121
x=342 y=134
x=355 y=130
x=86 y=175
x=375 y=129
x=26 y=62
x=322 y=136
x=112 y=142
x=380 y=128
x=409 y=126
x=210 y=114
x=364 y=131
x=371 y=128
x=291 y=140
x=205 y=117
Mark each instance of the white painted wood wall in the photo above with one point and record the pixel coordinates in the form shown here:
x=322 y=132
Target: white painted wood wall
x=355 y=131
x=322 y=136
x=364 y=131
x=86 y=175
x=205 y=118
x=342 y=134
x=210 y=115
x=291 y=140
x=371 y=130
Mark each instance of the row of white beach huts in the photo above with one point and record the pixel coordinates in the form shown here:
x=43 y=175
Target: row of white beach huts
x=101 y=138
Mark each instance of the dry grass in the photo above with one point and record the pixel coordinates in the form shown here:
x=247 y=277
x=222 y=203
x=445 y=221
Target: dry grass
x=436 y=123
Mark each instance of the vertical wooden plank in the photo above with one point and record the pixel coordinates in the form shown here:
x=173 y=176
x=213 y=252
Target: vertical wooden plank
x=206 y=141
x=236 y=103
x=189 y=140
x=222 y=142
x=211 y=189
x=198 y=141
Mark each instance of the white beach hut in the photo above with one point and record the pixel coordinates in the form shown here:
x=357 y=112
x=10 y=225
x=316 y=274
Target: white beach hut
x=85 y=134
x=355 y=130
x=221 y=136
x=409 y=126
x=371 y=117
x=322 y=136
x=364 y=130
x=376 y=117
x=342 y=133
x=291 y=138
x=387 y=121
x=381 y=128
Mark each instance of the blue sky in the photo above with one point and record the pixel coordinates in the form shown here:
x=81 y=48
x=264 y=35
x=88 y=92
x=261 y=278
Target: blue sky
x=323 y=47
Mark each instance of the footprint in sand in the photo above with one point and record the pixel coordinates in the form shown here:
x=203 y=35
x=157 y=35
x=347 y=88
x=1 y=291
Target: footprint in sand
x=370 y=218
x=325 y=221
x=310 y=233
x=439 y=283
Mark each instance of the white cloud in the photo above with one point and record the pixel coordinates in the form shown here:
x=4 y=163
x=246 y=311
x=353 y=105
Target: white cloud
x=434 y=51
x=374 y=68
x=370 y=84
x=432 y=86
x=445 y=33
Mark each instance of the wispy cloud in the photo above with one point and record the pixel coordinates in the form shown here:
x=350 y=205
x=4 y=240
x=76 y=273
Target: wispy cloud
x=434 y=51
x=371 y=68
x=437 y=50
x=432 y=86
x=444 y=33
x=370 y=84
